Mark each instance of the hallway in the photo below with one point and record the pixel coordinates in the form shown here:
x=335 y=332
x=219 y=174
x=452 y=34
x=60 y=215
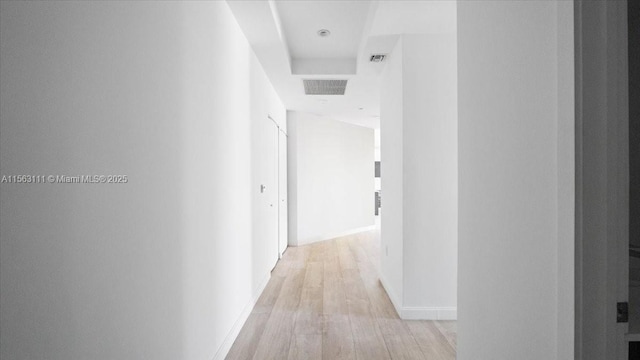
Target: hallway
x=177 y=179
x=324 y=301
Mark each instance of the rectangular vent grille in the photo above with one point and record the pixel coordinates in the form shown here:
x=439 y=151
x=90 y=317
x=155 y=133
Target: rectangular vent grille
x=324 y=87
x=377 y=57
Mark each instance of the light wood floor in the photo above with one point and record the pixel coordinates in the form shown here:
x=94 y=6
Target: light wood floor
x=324 y=301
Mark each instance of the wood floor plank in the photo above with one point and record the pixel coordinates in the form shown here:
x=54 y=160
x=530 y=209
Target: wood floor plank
x=306 y=347
x=276 y=338
x=359 y=254
x=298 y=257
x=337 y=338
x=269 y=295
x=282 y=267
x=380 y=303
x=331 y=252
x=432 y=342
x=337 y=341
x=247 y=341
x=345 y=256
x=368 y=339
x=314 y=274
x=318 y=251
x=309 y=314
x=449 y=329
x=334 y=298
x=325 y=301
x=398 y=339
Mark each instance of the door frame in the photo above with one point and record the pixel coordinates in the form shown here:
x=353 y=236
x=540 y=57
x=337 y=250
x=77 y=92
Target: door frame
x=602 y=178
x=279 y=129
x=282 y=199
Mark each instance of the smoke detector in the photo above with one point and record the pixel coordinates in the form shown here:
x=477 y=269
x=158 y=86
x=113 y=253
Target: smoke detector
x=324 y=87
x=377 y=58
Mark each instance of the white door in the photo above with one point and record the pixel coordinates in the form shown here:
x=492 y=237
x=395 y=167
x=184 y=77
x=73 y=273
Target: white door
x=273 y=192
x=282 y=193
x=266 y=201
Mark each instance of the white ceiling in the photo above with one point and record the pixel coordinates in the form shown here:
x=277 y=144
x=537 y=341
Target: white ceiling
x=301 y=21
x=283 y=35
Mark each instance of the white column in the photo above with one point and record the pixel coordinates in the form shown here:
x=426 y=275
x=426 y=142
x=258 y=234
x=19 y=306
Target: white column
x=515 y=171
x=419 y=176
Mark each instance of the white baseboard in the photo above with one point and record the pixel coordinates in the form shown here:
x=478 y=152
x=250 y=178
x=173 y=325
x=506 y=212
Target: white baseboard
x=330 y=236
x=237 y=326
x=429 y=313
x=418 y=313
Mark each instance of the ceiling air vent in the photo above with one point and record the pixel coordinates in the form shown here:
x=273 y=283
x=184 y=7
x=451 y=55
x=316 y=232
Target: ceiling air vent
x=377 y=57
x=324 y=87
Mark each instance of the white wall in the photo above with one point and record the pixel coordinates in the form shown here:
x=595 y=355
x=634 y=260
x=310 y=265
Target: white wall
x=515 y=144
x=161 y=267
x=391 y=170
x=430 y=171
x=331 y=183
x=419 y=177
